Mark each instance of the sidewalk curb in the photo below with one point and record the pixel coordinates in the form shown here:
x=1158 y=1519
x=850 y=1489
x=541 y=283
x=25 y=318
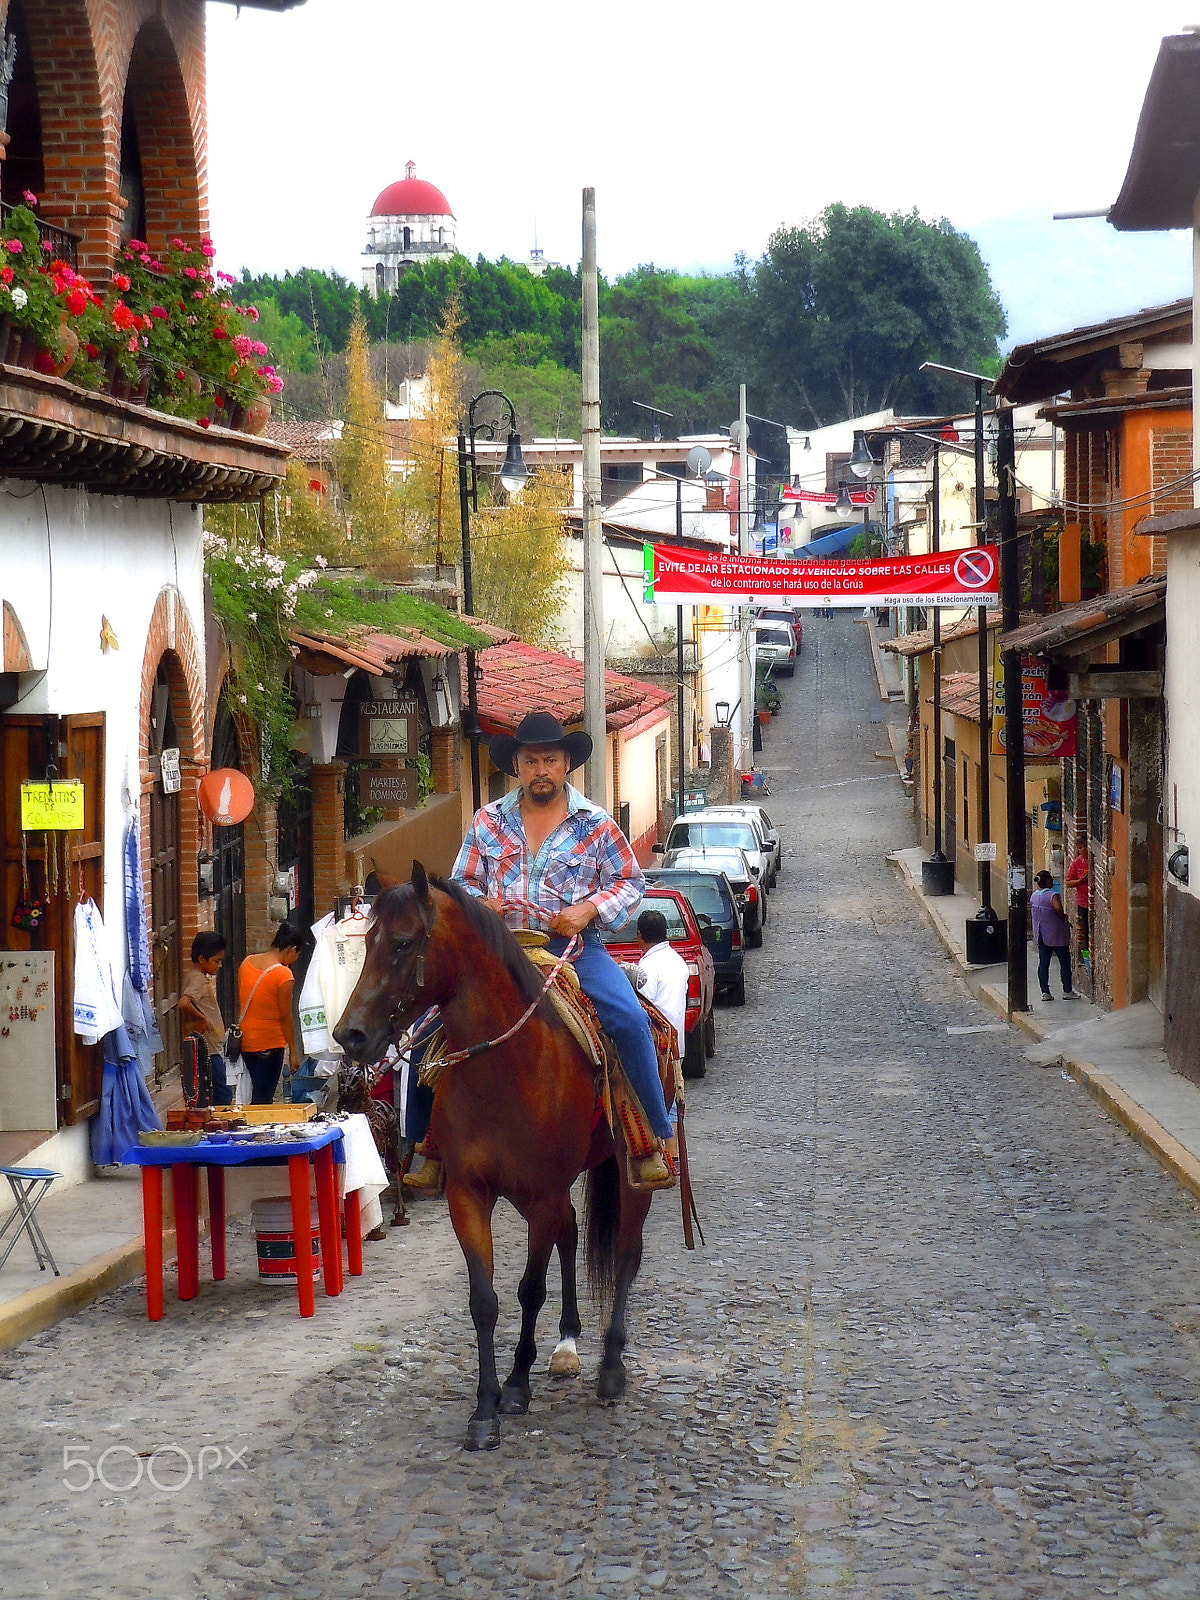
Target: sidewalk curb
x=876 y=663
x=40 y=1308
x=1144 y=1129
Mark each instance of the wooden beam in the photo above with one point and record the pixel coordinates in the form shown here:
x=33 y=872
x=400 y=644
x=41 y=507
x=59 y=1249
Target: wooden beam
x=1115 y=685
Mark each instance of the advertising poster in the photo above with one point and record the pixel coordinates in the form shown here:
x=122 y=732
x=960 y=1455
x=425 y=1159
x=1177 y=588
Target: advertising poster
x=1048 y=715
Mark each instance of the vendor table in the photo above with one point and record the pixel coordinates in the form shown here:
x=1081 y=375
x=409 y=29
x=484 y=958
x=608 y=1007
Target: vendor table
x=322 y=1146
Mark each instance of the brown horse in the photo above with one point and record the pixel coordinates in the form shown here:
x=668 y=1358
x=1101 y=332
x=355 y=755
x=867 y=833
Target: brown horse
x=516 y=1120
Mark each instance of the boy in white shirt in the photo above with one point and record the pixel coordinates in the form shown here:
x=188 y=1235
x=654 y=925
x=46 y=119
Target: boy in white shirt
x=663 y=973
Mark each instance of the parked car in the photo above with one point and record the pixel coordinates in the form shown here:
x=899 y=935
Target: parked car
x=775 y=646
x=700 y=829
x=789 y=616
x=751 y=900
x=693 y=941
x=714 y=902
x=756 y=814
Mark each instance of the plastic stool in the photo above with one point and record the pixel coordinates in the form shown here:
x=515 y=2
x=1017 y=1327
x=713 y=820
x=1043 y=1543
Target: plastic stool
x=29 y=1186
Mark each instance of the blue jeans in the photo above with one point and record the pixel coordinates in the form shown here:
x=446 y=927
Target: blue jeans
x=222 y=1090
x=1063 y=952
x=265 y=1067
x=622 y=1018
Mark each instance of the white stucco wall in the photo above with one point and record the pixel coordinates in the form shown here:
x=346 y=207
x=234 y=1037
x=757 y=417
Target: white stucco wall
x=1181 y=802
x=67 y=559
x=631 y=627
x=638 y=774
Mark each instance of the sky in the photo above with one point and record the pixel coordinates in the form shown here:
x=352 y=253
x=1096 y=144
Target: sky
x=702 y=127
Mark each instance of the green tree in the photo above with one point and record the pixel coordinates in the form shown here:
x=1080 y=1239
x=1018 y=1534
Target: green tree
x=842 y=312
x=369 y=496
x=653 y=349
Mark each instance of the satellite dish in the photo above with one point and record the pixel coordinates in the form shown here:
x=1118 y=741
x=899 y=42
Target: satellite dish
x=698 y=460
x=735 y=434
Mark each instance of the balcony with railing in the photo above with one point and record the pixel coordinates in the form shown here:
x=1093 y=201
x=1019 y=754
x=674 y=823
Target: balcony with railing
x=57 y=243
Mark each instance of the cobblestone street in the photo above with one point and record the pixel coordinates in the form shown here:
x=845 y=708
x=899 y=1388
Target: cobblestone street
x=944 y=1338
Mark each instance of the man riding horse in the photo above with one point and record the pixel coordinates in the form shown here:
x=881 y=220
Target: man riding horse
x=547 y=856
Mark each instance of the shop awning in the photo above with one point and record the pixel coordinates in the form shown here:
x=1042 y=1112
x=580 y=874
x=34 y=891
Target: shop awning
x=828 y=544
x=920 y=642
x=1087 y=625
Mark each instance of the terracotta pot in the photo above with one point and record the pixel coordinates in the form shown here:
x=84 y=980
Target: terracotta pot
x=763 y=718
x=69 y=340
x=30 y=349
x=118 y=385
x=257 y=415
x=141 y=393
x=7 y=333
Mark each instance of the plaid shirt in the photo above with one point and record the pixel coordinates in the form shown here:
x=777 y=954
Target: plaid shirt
x=586 y=857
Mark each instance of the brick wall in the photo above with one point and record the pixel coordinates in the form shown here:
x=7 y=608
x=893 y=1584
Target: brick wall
x=171 y=643
x=444 y=757
x=86 y=53
x=329 y=835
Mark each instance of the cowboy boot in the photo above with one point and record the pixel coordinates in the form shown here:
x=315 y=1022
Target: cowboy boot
x=429 y=1180
x=650 y=1172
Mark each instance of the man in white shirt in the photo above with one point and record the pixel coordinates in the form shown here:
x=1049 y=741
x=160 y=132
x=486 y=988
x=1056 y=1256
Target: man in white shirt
x=663 y=973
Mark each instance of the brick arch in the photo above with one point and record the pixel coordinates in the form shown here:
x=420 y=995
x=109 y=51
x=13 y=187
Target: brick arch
x=80 y=157
x=157 y=97
x=170 y=635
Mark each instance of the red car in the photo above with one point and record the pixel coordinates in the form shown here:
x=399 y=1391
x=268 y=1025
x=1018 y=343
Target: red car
x=686 y=935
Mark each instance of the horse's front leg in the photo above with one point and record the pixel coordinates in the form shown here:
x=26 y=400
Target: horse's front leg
x=471 y=1214
x=564 y=1363
x=635 y=1206
x=545 y=1225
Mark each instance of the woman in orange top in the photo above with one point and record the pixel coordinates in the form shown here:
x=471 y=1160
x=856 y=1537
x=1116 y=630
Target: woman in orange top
x=265 y=984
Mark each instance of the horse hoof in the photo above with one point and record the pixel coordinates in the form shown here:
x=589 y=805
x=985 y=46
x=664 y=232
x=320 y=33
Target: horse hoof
x=513 y=1403
x=564 y=1363
x=610 y=1385
x=483 y=1433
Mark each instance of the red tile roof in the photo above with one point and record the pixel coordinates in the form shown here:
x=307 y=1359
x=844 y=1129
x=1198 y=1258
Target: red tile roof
x=520 y=677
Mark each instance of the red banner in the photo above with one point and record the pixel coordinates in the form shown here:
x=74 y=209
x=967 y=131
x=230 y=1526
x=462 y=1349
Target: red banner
x=954 y=578
x=858 y=497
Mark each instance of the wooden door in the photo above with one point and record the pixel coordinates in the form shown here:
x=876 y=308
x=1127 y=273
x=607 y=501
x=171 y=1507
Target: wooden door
x=949 y=842
x=59 y=867
x=166 y=891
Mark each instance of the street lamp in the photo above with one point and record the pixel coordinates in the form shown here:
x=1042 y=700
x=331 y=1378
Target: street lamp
x=513 y=475
x=861 y=459
x=843 y=504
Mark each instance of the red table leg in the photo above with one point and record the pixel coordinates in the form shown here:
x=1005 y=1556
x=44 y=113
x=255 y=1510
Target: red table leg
x=353 y=1235
x=327 y=1211
x=183 y=1184
x=216 y=1220
x=152 y=1196
x=302 y=1232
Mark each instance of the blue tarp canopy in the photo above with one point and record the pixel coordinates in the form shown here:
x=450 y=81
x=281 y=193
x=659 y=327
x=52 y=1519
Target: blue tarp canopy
x=828 y=544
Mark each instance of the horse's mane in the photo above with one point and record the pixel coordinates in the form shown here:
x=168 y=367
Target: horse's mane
x=497 y=939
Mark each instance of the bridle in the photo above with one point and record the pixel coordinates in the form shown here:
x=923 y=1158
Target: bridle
x=405 y=1040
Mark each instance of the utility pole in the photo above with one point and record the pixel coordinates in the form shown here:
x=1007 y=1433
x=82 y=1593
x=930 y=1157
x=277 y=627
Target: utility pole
x=937 y=874
x=985 y=912
x=746 y=759
x=595 y=780
x=679 y=655
x=464 y=513
x=1014 y=722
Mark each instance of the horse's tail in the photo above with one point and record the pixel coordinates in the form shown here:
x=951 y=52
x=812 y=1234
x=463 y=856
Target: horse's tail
x=602 y=1221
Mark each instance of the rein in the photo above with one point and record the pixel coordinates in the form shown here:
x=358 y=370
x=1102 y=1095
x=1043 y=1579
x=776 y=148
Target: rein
x=489 y=1044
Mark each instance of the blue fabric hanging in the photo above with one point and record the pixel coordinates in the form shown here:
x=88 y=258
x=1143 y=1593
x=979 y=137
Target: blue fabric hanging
x=126 y=1108
x=135 y=911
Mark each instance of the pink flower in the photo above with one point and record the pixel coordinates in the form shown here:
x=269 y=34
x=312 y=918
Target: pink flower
x=224 y=277
x=198 y=294
x=274 y=384
x=14 y=247
x=47 y=247
x=259 y=348
x=136 y=246
x=29 y=197
x=133 y=342
x=242 y=344
x=178 y=244
x=120 y=281
x=207 y=248
x=158 y=313
x=190 y=272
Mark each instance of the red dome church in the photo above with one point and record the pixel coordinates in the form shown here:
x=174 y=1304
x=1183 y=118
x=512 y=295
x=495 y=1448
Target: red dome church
x=411 y=222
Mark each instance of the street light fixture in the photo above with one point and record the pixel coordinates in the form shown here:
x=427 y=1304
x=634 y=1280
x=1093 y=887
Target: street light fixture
x=843 y=504
x=861 y=459
x=513 y=476
x=721 y=710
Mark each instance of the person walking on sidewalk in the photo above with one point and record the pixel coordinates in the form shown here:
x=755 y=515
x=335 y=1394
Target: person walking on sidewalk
x=1052 y=932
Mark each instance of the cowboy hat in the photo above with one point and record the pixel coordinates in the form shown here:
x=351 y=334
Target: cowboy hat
x=537 y=728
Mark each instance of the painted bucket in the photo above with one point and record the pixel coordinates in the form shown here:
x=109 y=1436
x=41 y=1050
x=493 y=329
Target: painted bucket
x=277 y=1243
